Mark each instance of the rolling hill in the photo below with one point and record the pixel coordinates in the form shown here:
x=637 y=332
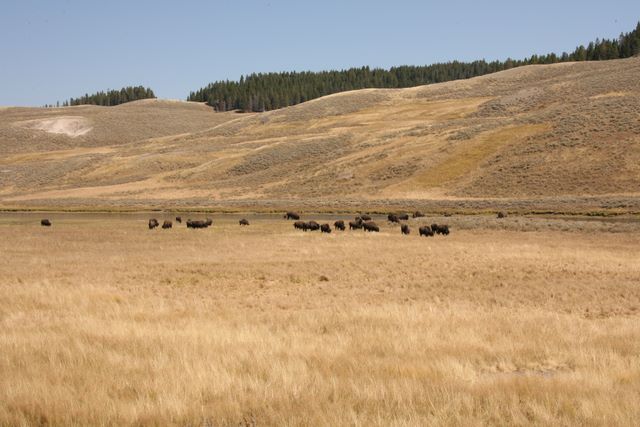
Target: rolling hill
x=562 y=137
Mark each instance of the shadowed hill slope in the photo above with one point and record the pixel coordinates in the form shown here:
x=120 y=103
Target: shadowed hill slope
x=532 y=137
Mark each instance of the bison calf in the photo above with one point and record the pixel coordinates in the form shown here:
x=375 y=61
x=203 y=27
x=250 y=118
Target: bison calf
x=45 y=223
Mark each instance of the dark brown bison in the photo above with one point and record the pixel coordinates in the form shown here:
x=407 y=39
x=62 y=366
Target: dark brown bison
x=339 y=225
x=356 y=225
x=393 y=218
x=403 y=217
x=364 y=217
x=197 y=224
x=440 y=229
x=418 y=214
x=299 y=225
x=501 y=215
x=291 y=215
x=179 y=219
x=153 y=223
x=167 y=224
x=404 y=228
x=45 y=223
x=425 y=231
x=370 y=227
x=311 y=226
x=325 y=228
x=244 y=221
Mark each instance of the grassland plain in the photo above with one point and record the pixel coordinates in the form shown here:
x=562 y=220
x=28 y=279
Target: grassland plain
x=105 y=322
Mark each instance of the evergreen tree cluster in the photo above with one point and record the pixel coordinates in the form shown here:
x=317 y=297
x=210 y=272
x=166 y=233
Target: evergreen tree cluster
x=113 y=97
x=270 y=91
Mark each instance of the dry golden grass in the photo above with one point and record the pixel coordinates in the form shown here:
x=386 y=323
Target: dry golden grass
x=103 y=322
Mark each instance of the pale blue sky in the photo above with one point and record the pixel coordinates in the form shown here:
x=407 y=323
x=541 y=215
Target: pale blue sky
x=52 y=50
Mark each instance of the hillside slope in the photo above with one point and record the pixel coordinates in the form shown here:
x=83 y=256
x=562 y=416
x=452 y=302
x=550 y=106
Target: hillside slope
x=535 y=137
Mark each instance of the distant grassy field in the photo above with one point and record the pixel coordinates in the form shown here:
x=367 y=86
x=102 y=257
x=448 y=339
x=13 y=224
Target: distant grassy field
x=103 y=321
x=539 y=136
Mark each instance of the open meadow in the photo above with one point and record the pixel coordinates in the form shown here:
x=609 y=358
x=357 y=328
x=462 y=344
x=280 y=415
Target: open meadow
x=519 y=322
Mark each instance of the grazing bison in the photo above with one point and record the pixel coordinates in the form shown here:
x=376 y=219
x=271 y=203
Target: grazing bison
x=370 y=226
x=403 y=217
x=291 y=215
x=440 y=229
x=45 y=223
x=179 y=219
x=153 y=223
x=426 y=231
x=312 y=226
x=365 y=217
x=167 y=224
x=197 y=224
x=393 y=218
x=418 y=214
x=300 y=225
x=404 y=228
x=501 y=215
x=339 y=225
x=325 y=228
x=243 y=221
x=355 y=225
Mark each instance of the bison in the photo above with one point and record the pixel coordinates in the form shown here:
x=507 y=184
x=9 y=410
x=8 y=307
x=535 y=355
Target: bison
x=364 y=217
x=393 y=218
x=418 y=214
x=153 y=223
x=403 y=217
x=425 y=231
x=291 y=215
x=167 y=224
x=179 y=219
x=45 y=223
x=197 y=224
x=370 y=227
x=355 y=225
x=244 y=221
x=325 y=228
x=299 y=225
x=440 y=229
x=501 y=215
x=312 y=226
x=404 y=228
x=339 y=225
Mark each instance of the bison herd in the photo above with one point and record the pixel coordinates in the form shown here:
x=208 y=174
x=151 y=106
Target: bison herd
x=360 y=222
x=364 y=222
